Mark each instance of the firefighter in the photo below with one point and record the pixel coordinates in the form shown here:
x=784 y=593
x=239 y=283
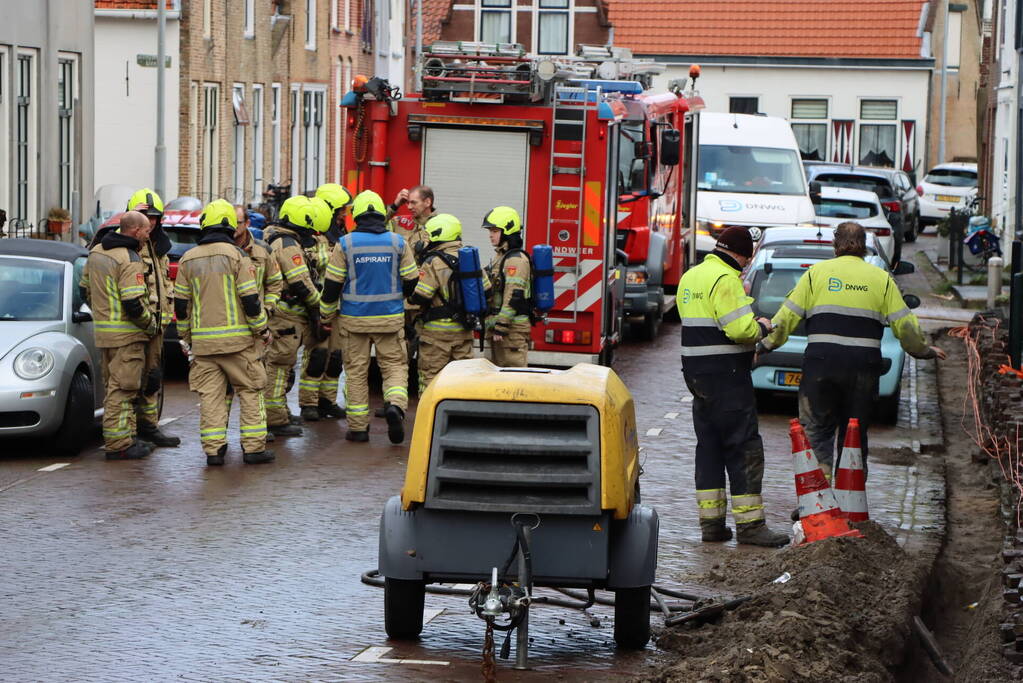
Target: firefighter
x=298 y=307
x=339 y=199
x=321 y=365
x=114 y=284
x=420 y=205
x=508 y=321
x=718 y=337
x=846 y=302
x=446 y=334
x=362 y=278
x=221 y=318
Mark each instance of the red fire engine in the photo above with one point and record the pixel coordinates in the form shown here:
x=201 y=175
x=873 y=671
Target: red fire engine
x=594 y=166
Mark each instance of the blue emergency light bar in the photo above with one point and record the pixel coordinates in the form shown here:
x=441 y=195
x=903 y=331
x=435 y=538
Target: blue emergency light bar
x=623 y=87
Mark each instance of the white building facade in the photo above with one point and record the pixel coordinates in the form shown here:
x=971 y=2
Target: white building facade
x=1005 y=171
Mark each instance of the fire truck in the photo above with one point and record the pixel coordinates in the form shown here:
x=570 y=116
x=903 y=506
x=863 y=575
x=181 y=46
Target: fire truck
x=594 y=165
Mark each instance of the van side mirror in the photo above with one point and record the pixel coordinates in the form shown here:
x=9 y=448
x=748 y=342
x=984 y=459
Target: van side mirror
x=670 y=143
x=905 y=268
x=912 y=300
x=637 y=176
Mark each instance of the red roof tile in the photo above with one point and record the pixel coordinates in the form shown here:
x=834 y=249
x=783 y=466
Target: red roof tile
x=435 y=13
x=879 y=29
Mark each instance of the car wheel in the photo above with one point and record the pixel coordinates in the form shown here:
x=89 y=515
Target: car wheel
x=632 y=617
x=403 y=608
x=78 y=416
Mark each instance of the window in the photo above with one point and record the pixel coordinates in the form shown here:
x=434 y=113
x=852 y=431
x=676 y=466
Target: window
x=333 y=15
x=4 y=149
x=812 y=139
x=313 y=139
x=241 y=119
x=210 y=143
x=296 y=170
x=348 y=15
x=25 y=140
x=953 y=48
x=743 y=105
x=67 y=96
x=496 y=21
x=250 y=18
x=750 y=170
x=552 y=27
x=310 y=24
x=257 y=141
x=879 y=110
x=275 y=132
x=207 y=18
x=809 y=109
x=340 y=78
x=877 y=145
x=193 y=138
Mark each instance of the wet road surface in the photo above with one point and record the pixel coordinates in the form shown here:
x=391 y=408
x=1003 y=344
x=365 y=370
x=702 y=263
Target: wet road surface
x=163 y=569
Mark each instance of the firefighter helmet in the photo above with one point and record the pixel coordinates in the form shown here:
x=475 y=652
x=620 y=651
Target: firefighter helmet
x=336 y=196
x=323 y=215
x=444 y=228
x=154 y=205
x=366 y=201
x=218 y=214
x=297 y=213
x=505 y=219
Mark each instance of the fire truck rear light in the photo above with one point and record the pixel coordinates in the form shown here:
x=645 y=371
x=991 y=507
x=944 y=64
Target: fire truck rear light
x=567 y=336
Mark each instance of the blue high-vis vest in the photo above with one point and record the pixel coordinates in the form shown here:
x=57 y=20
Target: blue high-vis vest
x=373 y=286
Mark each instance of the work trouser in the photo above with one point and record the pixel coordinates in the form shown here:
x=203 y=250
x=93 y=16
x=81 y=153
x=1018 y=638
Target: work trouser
x=209 y=376
x=437 y=349
x=332 y=374
x=390 y=354
x=321 y=367
x=280 y=359
x=122 y=376
x=727 y=443
x=152 y=380
x=512 y=350
x=829 y=394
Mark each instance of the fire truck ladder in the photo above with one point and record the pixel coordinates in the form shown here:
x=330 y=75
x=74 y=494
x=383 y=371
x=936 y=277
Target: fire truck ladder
x=571 y=106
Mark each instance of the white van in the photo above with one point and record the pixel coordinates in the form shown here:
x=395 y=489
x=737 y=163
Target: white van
x=750 y=174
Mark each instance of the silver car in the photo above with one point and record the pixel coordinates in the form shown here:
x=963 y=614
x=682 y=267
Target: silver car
x=50 y=381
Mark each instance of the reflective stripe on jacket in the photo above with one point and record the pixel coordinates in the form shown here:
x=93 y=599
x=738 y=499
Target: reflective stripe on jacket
x=847 y=302
x=112 y=277
x=719 y=331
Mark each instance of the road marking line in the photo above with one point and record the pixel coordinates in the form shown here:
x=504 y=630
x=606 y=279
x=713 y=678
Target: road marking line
x=654 y=431
x=54 y=467
x=431 y=614
x=375 y=655
x=670 y=416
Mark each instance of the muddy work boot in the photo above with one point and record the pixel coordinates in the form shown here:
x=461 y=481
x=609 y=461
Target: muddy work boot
x=257 y=458
x=157 y=436
x=329 y=410
x=136 y=451
x=757 y=533
x=285 y=430
x=218 y=459
x=358 y=437
x=395 y=424
x=715 y=531
x=310 y=413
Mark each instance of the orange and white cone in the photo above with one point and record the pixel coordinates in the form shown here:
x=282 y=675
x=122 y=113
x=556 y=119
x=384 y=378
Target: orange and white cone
x=850 y=479
x=818 y=510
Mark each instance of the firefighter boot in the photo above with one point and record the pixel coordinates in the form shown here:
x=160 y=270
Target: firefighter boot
x=715 y=530
x=358 y=437
x=136 y=451
x=310 y=413
x=156 y=436
x=395 y=424
x=330 y=410
x=258 y=458
x=382 y=410
x=295 y=419
x=289 y=429
x=757 y=533
x=218 y=459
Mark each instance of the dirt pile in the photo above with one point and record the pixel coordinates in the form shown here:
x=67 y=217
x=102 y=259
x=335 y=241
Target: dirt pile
x=844 y=615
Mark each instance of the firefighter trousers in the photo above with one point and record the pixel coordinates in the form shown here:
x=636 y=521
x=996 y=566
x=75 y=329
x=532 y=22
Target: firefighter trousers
x=436 y=350
x=728 y=445
x=209 y=376
x=512 y=350
x=321 y=367
x=280 y=360
x=390 y=354
x=152 y=380
x=122 y=376
x=830 y=394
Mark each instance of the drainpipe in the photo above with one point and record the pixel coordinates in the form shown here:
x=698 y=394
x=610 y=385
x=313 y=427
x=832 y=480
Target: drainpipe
x=944 y=88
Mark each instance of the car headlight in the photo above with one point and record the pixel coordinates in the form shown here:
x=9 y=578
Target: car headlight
x=33 y=363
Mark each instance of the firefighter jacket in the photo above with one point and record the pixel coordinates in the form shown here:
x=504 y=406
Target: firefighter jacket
x=216 y=300
x=412 y=229
x=433 y=291
x=847 y=302
x=156 y=265
x=370 y=273
x=719 y=332
x=510 y=296
x=114 y=284
x=300 y=297
x=269 y=280
x=317 y=257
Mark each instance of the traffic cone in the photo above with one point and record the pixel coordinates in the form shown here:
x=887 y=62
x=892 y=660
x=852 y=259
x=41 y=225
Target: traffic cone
x=850 y=479
x=818 y=511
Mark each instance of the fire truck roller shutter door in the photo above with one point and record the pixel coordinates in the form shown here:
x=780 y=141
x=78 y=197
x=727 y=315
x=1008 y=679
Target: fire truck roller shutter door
x=472 y=171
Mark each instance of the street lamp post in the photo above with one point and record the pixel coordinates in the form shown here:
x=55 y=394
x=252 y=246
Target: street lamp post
x=944 y=87
x=160 y=153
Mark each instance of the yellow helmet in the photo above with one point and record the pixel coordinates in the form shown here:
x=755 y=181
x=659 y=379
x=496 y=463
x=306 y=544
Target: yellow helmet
x=503 y=218
x=323 y=215
x=336 y=196
x=368 y=200
x=219 y=213
x=150 y=199
x=296 y=212
x=444 y=228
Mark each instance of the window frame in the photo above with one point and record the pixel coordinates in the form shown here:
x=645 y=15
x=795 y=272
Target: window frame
x=792 y=108
x=311 y=9
x=211 y=141
x=275 y=132
x=865 y=100
x=734 y=98
x=566 y=8
x=5 y=140
x=870 y=124
x=26 y=137
x=256 y=116
x=67 y=134
x=294 y=108
x=811 y=123
x=506 y=7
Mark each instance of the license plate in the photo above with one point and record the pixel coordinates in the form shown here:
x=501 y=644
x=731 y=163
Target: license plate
x=788 y=379
x=947 y=198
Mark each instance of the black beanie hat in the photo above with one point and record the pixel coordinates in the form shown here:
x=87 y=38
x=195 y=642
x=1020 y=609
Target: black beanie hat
x=736 y=239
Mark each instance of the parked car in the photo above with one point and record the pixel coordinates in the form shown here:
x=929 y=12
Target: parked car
x=50 y=381
x=892 y=187
x=778 y=262
x=945 y=186
x=837 y=205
